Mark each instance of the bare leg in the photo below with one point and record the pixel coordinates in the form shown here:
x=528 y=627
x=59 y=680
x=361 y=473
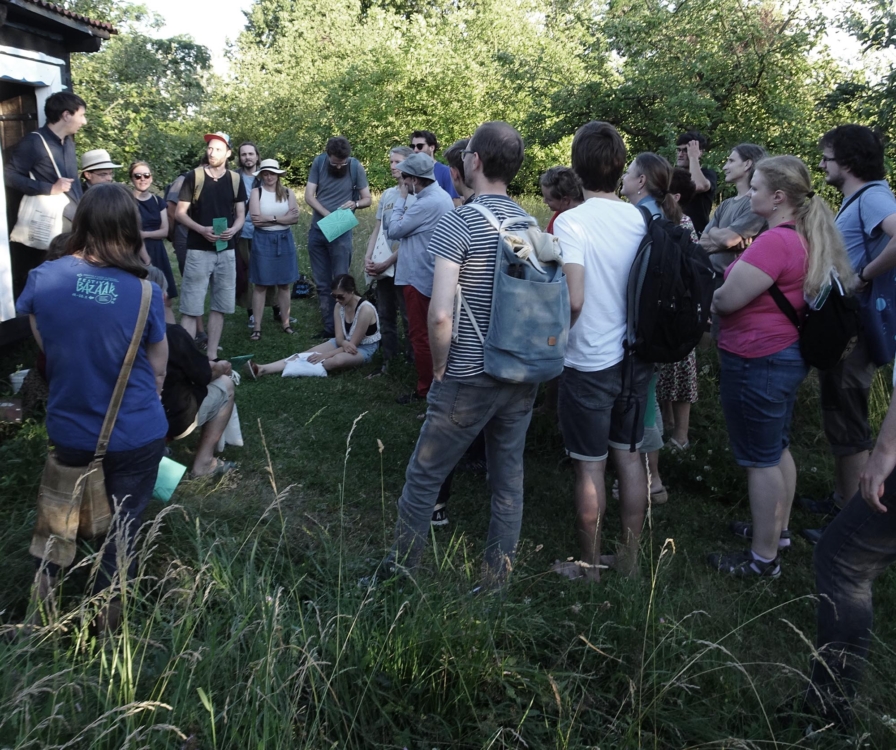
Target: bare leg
x=681 y=417
x=274 y=367
x=788 y=469
x=189 y=324
x=668 y=417
x=258 y=297
x=283 y=299
x=846 y=474
x=169 y=312
x=343 y=361
x=591 y=504
x=200 y=325
x=653 y=466
x=215 y=328
x=211 y=433
x=632 y=504
x=768 y=504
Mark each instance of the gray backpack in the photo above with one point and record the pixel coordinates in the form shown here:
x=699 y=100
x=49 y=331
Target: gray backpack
x=529 y=321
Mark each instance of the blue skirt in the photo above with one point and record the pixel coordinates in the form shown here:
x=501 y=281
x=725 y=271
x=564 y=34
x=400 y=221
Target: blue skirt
x=272 y=260
x=159 y=257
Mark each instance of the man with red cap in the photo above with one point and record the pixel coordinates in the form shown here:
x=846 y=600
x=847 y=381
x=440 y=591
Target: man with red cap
x=212 y=206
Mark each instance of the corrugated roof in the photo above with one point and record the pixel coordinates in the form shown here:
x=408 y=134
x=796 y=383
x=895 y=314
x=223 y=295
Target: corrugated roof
x=53 y=8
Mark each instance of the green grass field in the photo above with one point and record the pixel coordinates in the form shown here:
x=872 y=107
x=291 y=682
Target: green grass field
x=249 y=629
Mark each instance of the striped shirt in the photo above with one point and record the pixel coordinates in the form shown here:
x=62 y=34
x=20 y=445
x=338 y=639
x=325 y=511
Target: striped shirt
x=465 y=237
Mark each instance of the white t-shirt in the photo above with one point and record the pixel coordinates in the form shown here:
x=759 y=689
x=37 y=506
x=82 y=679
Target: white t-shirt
x=602 y=236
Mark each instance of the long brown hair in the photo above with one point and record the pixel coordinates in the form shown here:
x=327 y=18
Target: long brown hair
x=657 y=173
x=281 y=193
x=106 y=229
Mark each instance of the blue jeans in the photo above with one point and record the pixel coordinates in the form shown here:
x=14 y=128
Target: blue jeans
x=459 y=408
x=758 y=395
x=328 y=260
x=130 y=479
x=855 y=549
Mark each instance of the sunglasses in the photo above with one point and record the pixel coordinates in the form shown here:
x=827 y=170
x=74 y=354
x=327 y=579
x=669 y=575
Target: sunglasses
x=141 y=176
x=418 y=146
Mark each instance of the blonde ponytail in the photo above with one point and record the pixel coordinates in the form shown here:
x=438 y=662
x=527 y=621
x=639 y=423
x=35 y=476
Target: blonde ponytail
x=814 y=222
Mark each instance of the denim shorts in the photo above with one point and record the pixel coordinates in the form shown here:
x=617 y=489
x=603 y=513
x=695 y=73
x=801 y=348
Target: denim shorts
x=596 y=412
x=757 y=396
x=365 y=350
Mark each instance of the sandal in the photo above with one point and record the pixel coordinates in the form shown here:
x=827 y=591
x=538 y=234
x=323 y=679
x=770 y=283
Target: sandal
x=288 y=329
x=221 y=468
x=255 y=336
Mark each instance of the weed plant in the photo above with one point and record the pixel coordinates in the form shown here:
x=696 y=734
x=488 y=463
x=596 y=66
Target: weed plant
x=250 y=623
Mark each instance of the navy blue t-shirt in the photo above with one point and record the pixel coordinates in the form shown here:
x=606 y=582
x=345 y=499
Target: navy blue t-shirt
x=86 y=316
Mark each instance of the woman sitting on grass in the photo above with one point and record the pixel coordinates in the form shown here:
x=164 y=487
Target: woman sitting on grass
x=357 y=328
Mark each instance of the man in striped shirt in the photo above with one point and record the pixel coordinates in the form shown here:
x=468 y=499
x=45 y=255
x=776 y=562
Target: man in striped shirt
x=463 y=400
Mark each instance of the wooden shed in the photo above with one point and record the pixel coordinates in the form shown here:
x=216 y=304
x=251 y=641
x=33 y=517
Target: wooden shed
x=37 y=39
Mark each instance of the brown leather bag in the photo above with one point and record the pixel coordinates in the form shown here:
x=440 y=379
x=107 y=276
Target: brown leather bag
x=72 y=501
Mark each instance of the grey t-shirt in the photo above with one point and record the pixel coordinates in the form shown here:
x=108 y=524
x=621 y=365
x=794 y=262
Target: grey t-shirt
x=735 y=214
x=332 y=192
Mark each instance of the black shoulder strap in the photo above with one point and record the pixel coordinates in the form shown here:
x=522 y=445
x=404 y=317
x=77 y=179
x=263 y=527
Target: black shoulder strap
x=353 y=169
x=854 y=197
x=784 y=305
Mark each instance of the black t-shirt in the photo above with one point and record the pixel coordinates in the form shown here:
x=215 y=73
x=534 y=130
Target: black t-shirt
x=186 y=380
x=215 y=200
x=701 y=206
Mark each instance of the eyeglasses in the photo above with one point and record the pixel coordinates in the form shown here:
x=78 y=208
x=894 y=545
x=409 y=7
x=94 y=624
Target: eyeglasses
x=681 y=149
x=465 y=152
x=418 y=146
x=338 y=166
x=828 y=159
x=141 y=176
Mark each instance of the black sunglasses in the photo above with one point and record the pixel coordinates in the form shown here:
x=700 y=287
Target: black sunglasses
x=418 y=146
x=141 y=175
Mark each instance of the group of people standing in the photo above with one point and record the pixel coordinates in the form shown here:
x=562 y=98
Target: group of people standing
x=774 y=239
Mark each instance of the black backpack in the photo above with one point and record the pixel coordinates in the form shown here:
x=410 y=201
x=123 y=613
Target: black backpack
x=670 y=290
x=829 y=332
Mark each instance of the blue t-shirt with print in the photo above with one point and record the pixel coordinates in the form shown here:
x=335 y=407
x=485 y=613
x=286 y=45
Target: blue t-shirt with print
x=86 y=316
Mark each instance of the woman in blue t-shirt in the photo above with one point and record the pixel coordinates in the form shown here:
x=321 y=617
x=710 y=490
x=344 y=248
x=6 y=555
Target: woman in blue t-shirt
x=83 y=309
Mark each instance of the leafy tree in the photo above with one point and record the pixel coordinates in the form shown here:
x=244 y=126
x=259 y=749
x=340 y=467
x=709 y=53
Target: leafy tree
x=141 y=92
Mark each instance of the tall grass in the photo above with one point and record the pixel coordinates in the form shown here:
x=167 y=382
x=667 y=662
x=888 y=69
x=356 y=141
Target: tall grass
x=247 y=626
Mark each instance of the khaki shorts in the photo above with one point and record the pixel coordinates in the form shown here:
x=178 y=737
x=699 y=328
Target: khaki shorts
x=204 y=269
x=214 y=401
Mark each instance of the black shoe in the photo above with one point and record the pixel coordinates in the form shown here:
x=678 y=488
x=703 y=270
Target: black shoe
x=439 y=515
x=813 y=536
x=823 y=507
x=410 y=398
x=743 y=565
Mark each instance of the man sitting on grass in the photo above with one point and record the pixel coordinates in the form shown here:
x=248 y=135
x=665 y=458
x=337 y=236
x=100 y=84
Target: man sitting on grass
x=197 y=393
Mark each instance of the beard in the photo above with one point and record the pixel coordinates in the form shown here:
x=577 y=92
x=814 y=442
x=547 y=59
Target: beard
x=337 y=171
x=835 y=180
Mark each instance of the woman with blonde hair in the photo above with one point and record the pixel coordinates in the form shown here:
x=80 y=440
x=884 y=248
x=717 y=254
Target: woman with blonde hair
x=762 y=367
x=273 y=261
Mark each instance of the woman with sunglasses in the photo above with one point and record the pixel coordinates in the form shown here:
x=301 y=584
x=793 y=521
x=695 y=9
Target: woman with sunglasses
x=153 y=221
x=357 y=328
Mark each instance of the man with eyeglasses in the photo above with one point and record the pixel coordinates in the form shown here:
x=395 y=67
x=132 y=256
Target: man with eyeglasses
x=860 y=543
x=852 y=159
x=97 y=167
x=336 y=180
x=425 y=142
x=462 y=399
x=690 y=148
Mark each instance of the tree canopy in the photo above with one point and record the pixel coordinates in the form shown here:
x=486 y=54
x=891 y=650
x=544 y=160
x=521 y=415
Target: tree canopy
x=375 y=70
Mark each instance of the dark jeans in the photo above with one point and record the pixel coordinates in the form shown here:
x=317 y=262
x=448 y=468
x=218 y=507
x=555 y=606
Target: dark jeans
x=459 y=409
x=130 y=478
x=389 y=305
x=855 y=549
x=328 y=260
